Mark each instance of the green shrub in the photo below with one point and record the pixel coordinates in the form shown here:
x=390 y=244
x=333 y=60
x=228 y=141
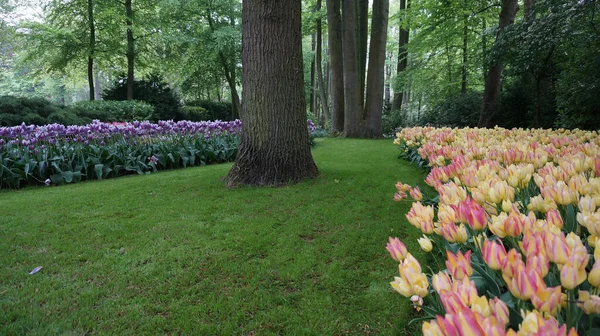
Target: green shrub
x=111 y=111
x=152 y=90
x=391 y=120
x=194 y=113
x=216 y=110
x=67 y=117
x=460 y=110
x=37 y=111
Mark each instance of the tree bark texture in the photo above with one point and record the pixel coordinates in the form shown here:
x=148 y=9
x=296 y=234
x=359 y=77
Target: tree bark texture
x=387 y=92
x=362 y=43
x=402 y=56
x=92 y=48
x=130 y=49
x=313 y=81
x=334 y=29
x=324 y=114
x=375 y=77
x=274 y=147
x=493 y=83
x=353 y=107
x=97 y=87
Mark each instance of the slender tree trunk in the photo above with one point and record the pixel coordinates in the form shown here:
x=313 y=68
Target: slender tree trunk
x=130 y=49
x=387 y=90
x=465 y=51
x=362 y=43
x=493 y=83
x=97 y=87
x=92 y=48
x=228 y=70
x=375 y=77
x=274 y=148
x=313 y=82
x=334 y=28
x=402 y=55
x=353 y=127
x=324 y=104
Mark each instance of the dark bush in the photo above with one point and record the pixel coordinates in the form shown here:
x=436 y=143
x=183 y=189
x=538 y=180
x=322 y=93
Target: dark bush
x=460 y=110
x=216 y=110
x=111 y=110
x=37 y=111
x=66 y=117
x=391 y=120
x=152 y=90
x=194 y=113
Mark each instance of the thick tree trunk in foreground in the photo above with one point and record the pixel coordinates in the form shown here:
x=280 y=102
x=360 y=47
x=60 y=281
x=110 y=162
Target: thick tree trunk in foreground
x=402 y=57
x=130 y=49
x=375 y=77
x=493 y=82
x=353 y=107
x=274 y=148
x=334 y=28
x=92 y=48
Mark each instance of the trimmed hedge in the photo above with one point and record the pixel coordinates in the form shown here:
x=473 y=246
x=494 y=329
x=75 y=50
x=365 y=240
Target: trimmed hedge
x=36 y=111
x=111 y=110
x=194 y=113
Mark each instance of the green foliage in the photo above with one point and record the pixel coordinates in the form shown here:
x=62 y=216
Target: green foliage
x=152 y=90
x=459 y=110
x=194 y=113
x=391 y=120
x=111 y=111
x=176 y=252
x=36 y=111
x=217 y=110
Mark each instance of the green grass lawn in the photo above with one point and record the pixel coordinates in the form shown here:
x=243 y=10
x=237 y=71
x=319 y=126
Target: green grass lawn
x=176 y=252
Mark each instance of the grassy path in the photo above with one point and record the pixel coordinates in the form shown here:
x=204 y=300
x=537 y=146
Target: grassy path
x=176 y=252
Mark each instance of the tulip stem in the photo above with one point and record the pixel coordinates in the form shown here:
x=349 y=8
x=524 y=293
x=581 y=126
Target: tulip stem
x=571 y=309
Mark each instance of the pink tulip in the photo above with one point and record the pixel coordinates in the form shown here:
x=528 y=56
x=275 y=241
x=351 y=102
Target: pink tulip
x=459 y=265
x=397 y=249
x=493 y=254
x=416 y=194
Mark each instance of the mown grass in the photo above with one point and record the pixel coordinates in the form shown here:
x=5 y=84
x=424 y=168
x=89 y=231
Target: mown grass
x=176 y=252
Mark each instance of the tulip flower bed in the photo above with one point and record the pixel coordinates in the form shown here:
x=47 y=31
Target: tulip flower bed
x=514 y=230
x=57 y=154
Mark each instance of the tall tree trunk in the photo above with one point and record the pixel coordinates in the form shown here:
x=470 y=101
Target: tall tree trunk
x=387 y=91
x=97 y=87
x=375 y=77
x=130 y=49
x=493 y=83
x=353 y=127
x=402 y=55
x=228 y=70
x=313 y=81
x=324 y=104
x=465 y=50
x=92 y=48
x=362 y=44
x=274 y=148
x=334 y=29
